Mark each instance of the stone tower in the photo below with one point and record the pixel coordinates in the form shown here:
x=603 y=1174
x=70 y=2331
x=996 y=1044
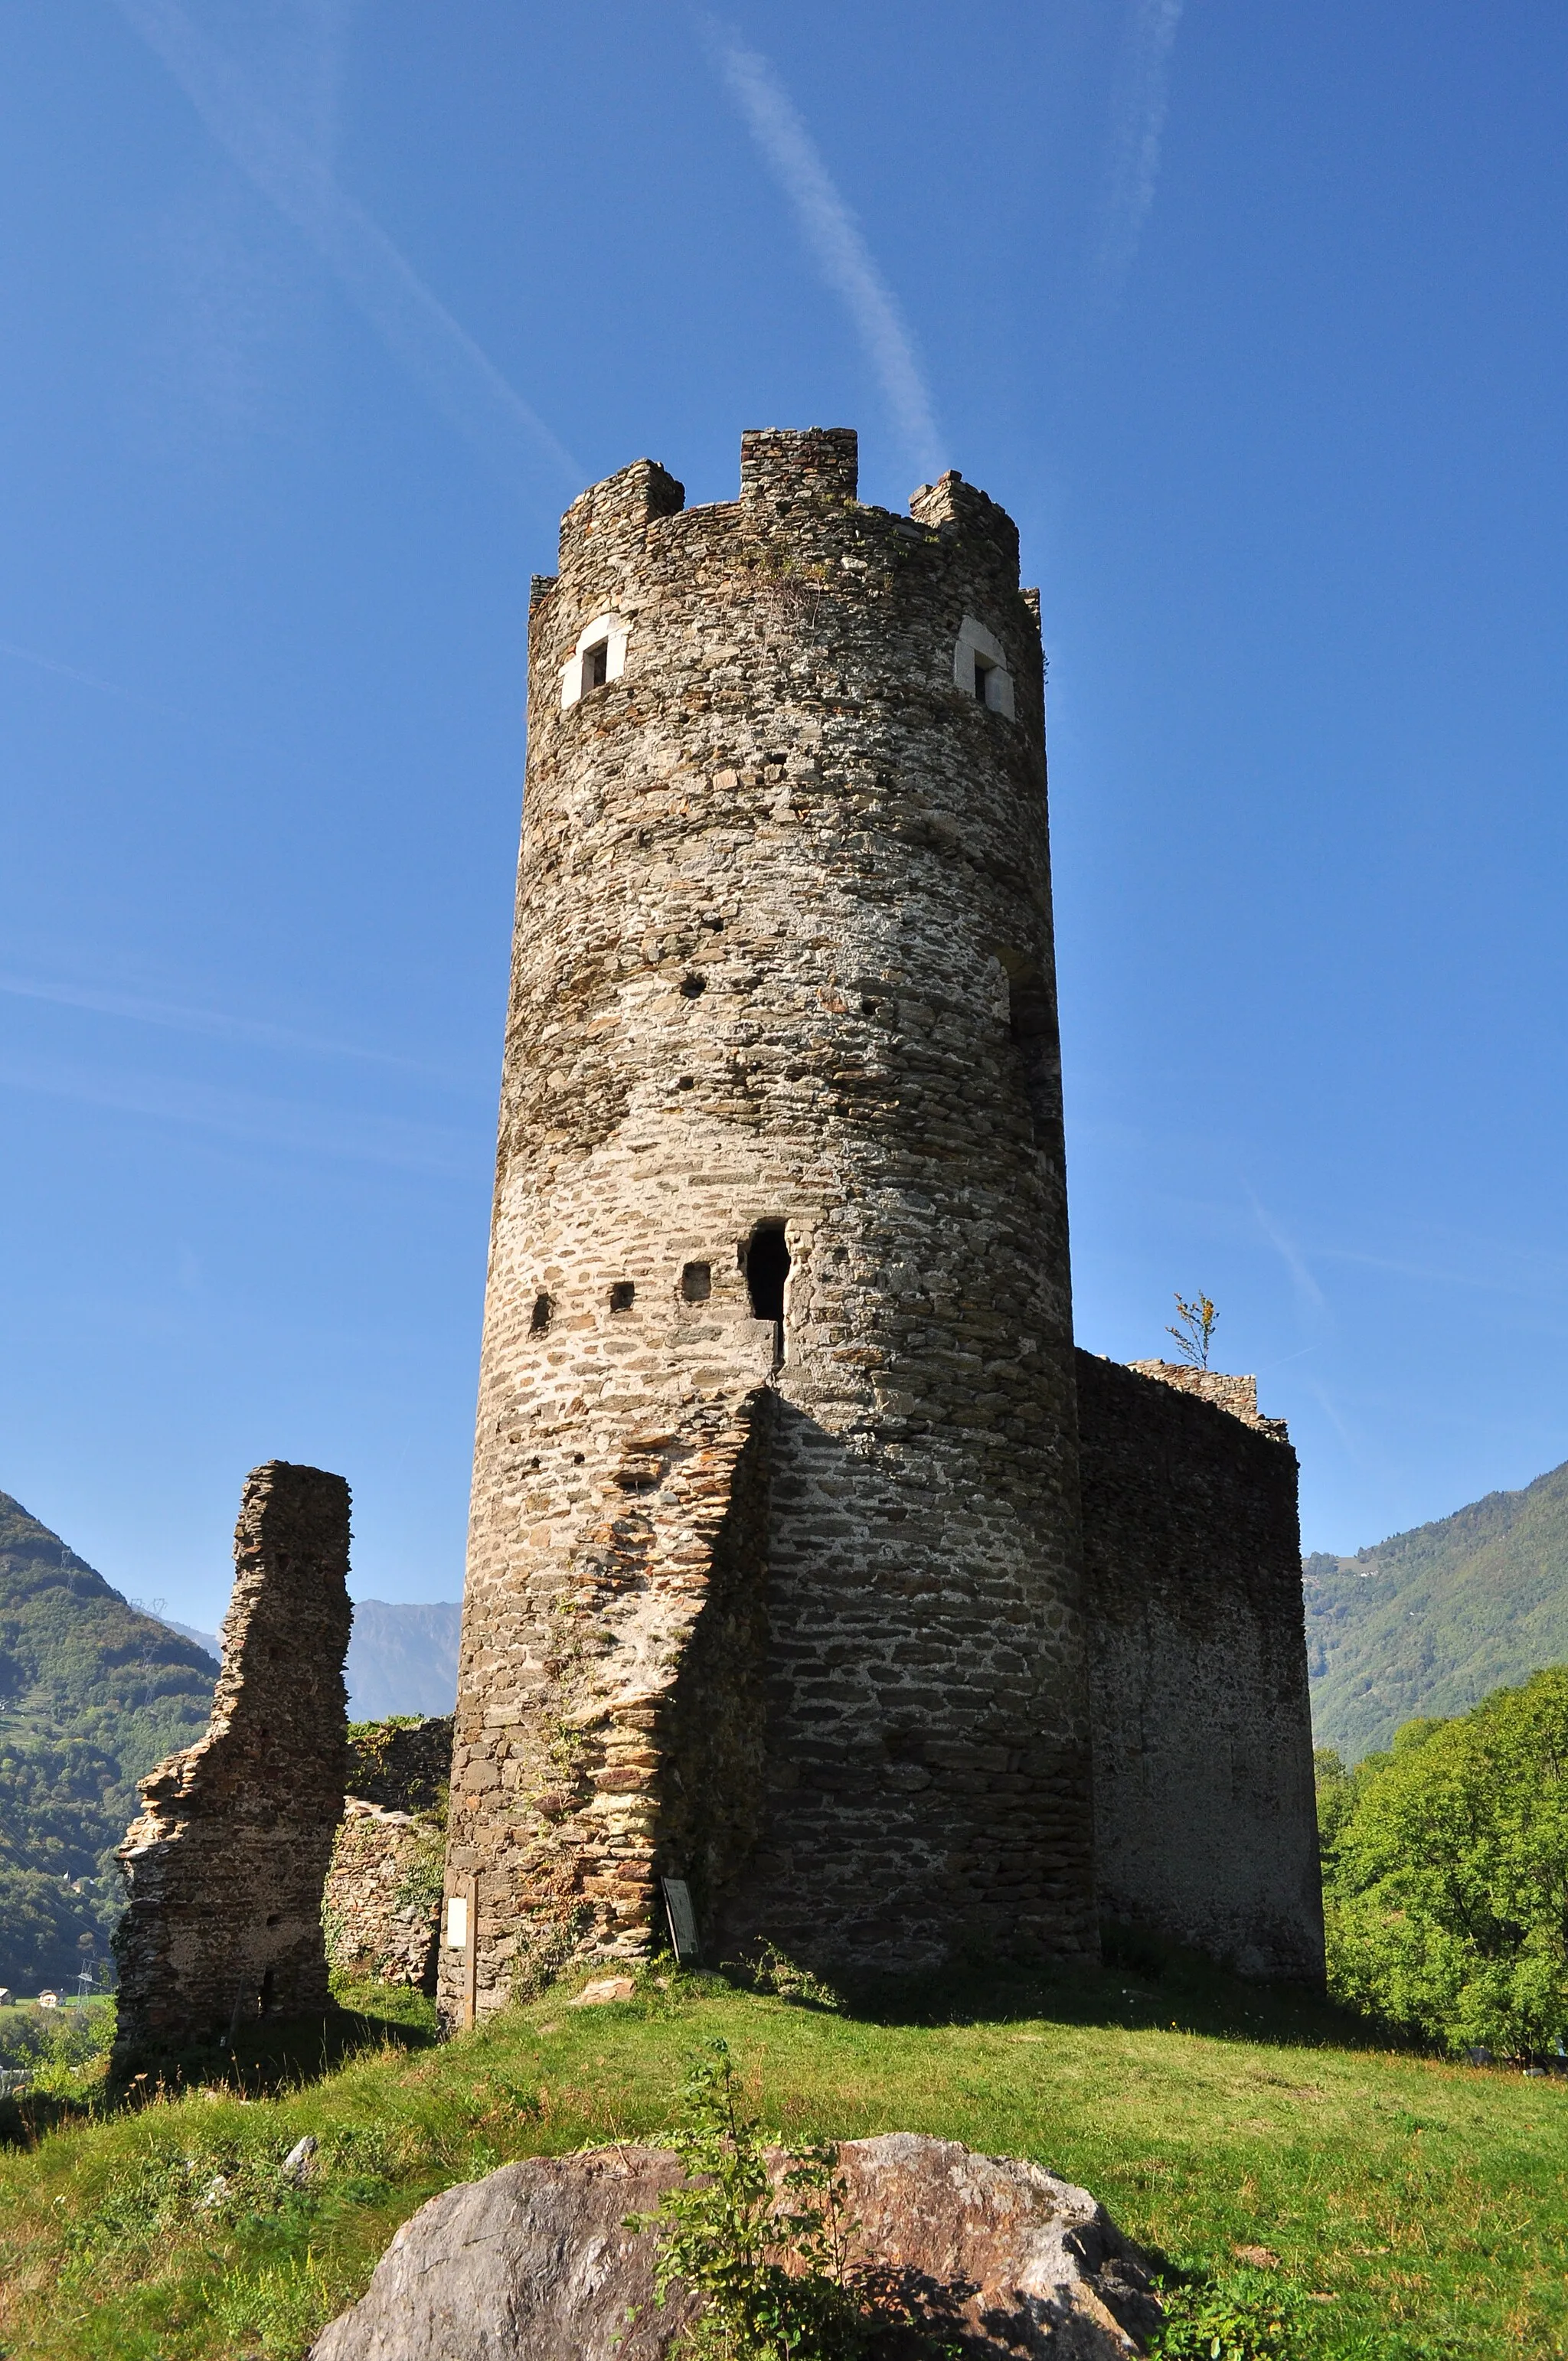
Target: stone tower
x=775 y=1566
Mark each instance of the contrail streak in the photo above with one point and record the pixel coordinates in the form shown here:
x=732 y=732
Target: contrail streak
x=1143 y=94
x=834 y=237
x=216 y=1025
x=287 y=1126
x=460 y=380
x=86 y=679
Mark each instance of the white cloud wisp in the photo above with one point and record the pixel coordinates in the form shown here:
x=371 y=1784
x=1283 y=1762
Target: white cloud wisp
x=834 y=238
x=460 y=380
x=1138 y=113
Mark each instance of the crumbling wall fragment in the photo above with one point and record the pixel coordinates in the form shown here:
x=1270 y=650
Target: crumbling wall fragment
x=225 y=1867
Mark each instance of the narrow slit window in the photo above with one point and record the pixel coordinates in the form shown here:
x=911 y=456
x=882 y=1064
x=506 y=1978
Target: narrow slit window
x=543 y=1306
x=596 y=664
x=767 y=1268
x=983 y=672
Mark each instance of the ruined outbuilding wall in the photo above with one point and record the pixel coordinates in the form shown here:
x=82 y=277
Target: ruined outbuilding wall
x=789 y=1609
x=225 y=1867
x=383 y=1892
x=383 y=1889
x=1204 y=1819
x=404 y=1765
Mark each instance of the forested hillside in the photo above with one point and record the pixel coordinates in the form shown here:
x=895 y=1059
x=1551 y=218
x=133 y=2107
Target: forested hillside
x=1429 y=1622
x=92 y=1695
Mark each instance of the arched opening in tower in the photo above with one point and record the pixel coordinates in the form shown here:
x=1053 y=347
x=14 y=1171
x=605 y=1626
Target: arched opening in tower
x=767 y=1268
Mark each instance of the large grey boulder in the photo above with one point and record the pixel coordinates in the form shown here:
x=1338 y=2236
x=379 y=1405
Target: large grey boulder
x=535 y=2261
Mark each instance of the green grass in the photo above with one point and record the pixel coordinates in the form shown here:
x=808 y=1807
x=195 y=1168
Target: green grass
x=1429 y=2201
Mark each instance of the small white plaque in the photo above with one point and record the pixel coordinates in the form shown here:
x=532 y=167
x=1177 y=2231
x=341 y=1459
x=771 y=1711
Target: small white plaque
x=457 y=1922
x=681 y=1917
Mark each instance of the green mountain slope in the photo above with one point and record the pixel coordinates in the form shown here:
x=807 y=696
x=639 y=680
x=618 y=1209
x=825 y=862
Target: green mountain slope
x=1429 y=1622
x=92 y=1695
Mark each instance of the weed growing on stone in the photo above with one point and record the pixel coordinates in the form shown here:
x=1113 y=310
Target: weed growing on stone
x=769 y=2266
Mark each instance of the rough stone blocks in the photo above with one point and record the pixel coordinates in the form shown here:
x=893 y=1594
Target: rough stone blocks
x=225 y=1868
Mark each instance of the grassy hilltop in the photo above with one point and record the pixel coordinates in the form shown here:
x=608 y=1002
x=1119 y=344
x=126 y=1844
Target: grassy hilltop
x=92 y=1693
x=1429 y=1622
x=1418 y=2209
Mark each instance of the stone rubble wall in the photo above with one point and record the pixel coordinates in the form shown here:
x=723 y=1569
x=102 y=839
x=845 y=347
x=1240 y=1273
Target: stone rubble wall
x=225 y=1866
x=1237 y=1395
x=1204 y=1817
x=402 y=1765
x=381 y=1904
x=809 y=1635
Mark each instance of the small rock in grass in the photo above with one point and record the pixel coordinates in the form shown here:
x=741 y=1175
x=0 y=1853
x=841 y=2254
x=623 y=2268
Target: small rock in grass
x=296 y=2165
x=607 y=1988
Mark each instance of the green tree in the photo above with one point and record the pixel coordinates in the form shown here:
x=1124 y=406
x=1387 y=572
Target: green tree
x=1336 y=1799
x=1446 y=1890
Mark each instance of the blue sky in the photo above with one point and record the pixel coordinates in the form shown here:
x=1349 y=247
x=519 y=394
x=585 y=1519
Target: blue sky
x=318 y=311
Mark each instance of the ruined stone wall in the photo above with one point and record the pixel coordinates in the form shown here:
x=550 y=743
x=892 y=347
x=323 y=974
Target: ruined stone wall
x=1204 y=1817
x=404 y=1765
x=788 y=1608
x=225 y=1866
x=382 y=1900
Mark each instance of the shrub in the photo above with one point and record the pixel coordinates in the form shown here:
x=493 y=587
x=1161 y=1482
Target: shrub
x=1242 y=2316
x=769 y=2266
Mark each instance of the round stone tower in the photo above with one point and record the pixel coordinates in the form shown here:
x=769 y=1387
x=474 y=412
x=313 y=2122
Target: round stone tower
x=774 y=1568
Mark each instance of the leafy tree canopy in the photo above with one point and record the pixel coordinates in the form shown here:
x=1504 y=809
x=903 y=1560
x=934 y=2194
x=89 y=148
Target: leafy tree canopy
x=1446 y=1873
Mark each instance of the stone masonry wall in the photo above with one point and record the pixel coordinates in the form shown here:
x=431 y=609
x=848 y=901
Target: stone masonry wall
x=383 y=1889
x=789 y=1608
x=403 y=1765
x=1204 y=1817
x=225 y=1866
x=382 y=1900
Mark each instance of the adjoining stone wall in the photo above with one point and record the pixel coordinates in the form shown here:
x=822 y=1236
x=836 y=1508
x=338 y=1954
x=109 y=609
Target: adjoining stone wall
x=789 y=1608
x=382 y=1903
x=1238 y=1395
x=402 y=1764
x=1205 y=1820
x=381 y=1906
x=225 y=1867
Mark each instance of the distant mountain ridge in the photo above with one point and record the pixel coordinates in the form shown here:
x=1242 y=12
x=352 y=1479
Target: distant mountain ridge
x=1430 y=1621
x=401 y=1658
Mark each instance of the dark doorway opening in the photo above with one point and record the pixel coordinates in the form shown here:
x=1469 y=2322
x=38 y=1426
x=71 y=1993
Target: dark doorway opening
x=767 y=1268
